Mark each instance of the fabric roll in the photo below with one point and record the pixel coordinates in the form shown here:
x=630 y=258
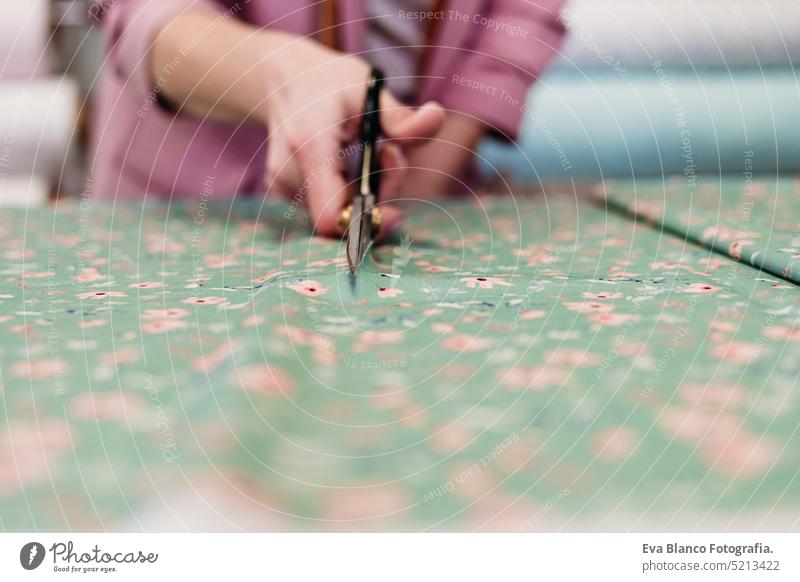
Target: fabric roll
x=24 y=37
x=752 y=222
x=37 y=120
x=629 y=34
x=23 y=191
x=653 y=123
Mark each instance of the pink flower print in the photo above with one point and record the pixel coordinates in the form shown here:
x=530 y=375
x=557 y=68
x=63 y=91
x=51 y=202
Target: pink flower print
x=589 y=307
x=21 y=253
x=700 y=288
x=100 y=294
x=146 y=285
x=442 y=327
x=198 y=279
x=724 y=233
x=411 y=416
x=533 y=314
x=328 y=262
x=163 y=325
x=449 y=438
x=211 y=300
x=253 y=321
x=533 y=378
x=466 y=343
x=37 y=274
x=611 y=319
x=363 y=502
x=694 y=425
x=472 y=482
x=121 y=356
x=602 y=295
x=723 y=326
x=484 y=282
x=90 y=323
x=264 y=380
x=107 y=406
x=672 y=266
x=712 y=396
x=649 y=209
x=615 y=444
x=389 y=398
x=500 y=512
x=43 y=369
x=370 y=339
x=739 y=352
x=713 y=264
x=308 y=288
x=615 y=242
x=217 y=261
x=744 y=456
x=574 y=358
x=389 y=292
x=296 y=335
x=171 y=313
x=542 y=259
x=431 y=311
x=31 y=450
x=211 y=360
x=624 y=274
x=438 y=269
x=164 y=247
x=782 y=333
x=89 y=274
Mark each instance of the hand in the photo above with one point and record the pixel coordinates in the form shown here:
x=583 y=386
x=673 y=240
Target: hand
x=439 y=166
x=315 y=99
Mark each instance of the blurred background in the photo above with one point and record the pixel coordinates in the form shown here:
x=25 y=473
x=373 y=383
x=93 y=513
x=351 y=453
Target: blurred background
x=643 y=87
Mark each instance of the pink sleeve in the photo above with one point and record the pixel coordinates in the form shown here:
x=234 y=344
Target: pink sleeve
x=509 y=58
x=131 y=26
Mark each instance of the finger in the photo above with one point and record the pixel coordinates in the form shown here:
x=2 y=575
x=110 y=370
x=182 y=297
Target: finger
x=282 y=174
x=391 y=220
x=327 y=188
x=402 y=122
x=393 y=170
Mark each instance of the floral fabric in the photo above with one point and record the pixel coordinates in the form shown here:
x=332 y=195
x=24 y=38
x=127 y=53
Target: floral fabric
x=506 y=364
x=750 y=221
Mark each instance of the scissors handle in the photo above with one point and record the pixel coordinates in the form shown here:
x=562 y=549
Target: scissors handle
x=368 y=135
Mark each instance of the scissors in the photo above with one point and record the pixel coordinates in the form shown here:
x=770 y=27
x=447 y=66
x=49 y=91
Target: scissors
x=362 y=218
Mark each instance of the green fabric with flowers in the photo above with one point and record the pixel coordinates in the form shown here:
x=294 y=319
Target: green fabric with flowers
x=504 y=364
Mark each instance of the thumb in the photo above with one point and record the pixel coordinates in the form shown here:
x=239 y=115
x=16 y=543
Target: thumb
x=400 y=121
x=327 y=189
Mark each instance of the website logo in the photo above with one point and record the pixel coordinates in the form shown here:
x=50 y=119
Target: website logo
x=31 y=555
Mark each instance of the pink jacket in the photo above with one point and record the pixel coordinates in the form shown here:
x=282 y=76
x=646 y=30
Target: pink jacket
x=140 y=148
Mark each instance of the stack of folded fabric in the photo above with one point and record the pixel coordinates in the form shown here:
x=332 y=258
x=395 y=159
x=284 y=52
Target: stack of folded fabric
x=37 y=111
x=647 y=87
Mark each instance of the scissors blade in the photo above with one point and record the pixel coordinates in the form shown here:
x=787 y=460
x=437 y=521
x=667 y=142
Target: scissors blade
x=359 y=233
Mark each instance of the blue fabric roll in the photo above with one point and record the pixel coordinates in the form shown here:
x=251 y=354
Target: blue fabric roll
x=655 y=122
x=727 y=34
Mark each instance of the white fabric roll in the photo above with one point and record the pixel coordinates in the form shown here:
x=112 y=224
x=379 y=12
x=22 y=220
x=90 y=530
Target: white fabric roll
x=23 y=191
x=37 y=121
x=627 y=34
x=24 y=36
